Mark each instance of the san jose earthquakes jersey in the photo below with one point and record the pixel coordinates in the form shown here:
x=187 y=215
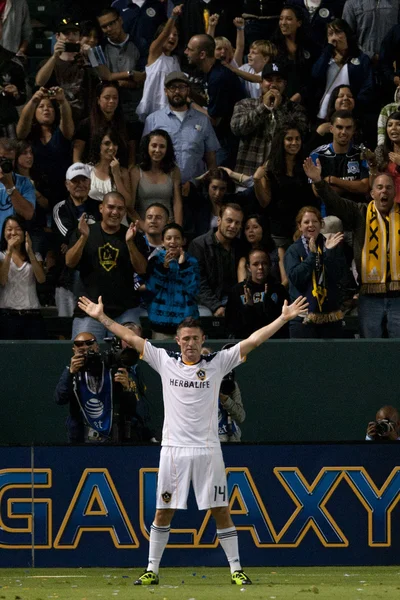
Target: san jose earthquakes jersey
x=190 y=394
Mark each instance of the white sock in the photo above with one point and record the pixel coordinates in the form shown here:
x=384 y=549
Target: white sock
x=158 y=540
x=228 y=539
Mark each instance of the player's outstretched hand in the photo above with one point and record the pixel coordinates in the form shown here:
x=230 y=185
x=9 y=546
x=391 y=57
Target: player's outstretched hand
x=91 y=308
x=297 y=309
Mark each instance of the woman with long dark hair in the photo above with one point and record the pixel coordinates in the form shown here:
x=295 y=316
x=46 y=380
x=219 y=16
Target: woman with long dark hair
x=314 y=266
x=255 y=235
x=20 y=270
x=342 y=63
x=107 y=175
x=282 y=186
x=296 y=51
x=388 y=154
x=156 y=178
x=106 y=111
x=46 y=121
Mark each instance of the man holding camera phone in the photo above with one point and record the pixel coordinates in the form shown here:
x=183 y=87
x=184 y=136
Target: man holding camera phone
x=65 y=68
x=101 y=400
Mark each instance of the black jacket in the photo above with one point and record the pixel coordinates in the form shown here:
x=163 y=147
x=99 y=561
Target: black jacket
x=207 y=251
x=11 y=72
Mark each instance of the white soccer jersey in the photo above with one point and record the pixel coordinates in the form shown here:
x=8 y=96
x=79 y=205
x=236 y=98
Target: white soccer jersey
x=190 y=394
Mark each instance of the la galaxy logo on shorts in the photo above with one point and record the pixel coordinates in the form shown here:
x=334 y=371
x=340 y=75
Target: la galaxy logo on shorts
x=166 y=496
x=201 y=374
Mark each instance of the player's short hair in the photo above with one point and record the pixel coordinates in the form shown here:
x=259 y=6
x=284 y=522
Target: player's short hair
x=190 y=322
x=158 y=205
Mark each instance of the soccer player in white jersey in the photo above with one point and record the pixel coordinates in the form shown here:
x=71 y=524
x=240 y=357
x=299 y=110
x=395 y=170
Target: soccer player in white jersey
x=191 y=451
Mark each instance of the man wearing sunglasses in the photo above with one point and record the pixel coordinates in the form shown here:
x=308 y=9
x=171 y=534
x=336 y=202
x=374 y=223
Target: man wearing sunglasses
x=90 y=393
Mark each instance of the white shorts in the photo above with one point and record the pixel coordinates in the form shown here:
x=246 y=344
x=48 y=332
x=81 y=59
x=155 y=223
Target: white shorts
x=204 y=467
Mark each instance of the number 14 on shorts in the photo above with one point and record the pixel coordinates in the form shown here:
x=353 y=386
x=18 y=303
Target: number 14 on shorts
x=219 y=491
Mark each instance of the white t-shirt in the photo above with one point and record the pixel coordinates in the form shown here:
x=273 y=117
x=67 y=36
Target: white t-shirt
x=190 y=394
x=253 y=90
x=19 y=292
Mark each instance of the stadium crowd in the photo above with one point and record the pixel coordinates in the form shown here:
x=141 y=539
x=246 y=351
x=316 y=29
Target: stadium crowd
x=201 y=158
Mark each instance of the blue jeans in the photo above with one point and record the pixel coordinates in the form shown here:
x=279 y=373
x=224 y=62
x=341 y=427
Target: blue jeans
x=87 y=324
x=377 y=314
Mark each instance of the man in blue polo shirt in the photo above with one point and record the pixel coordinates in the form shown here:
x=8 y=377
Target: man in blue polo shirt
x=341 y=162
x=191 y=131
x=17 y=194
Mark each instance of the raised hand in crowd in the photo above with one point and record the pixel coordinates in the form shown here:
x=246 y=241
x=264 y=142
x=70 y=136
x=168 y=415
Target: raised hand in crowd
x=312 y=171
x=83 y=227
x=334 y=240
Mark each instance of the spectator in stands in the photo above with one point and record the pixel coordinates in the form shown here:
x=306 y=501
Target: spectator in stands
x=342 y=164
x=157 y=177
x=215 y=188
x=376 y=256
x=20 y=270
x=224 y=89
x=66 y=215
x=17 y=194
x=106 y=174
x=141 y=21
x=389 y=64
x=122 y=59
x=13 y=89
x=341 y=98
x=107 y=256
x=261 y=18
x=254 y=120
x=155 y=219
x=223 y=47
x=386 y=426
x=172 y=284
x=162 y=61
x=24 y=163
x=218 y=254
x=230 y=406
x=46 y=121
x=255 y=235
x=282 y=188
x=90 y=34
x=64 y=69
x=17 y=29
x=388 y=154
x=296 y=51
x=314 y=266
x=342 y=62
x=371 y=21
x=192 y=134
x=257 y=299
x=105 y=112
x=260 y=53
x=105 y=391
x=320 y=13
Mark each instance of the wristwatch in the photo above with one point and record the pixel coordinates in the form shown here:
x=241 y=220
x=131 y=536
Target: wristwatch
x=10 y=190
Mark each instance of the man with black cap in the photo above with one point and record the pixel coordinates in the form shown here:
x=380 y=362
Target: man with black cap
x=255 y=120
x=192 y=134
x=65 y=69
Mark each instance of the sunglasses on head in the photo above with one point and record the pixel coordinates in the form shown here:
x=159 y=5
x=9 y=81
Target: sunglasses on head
x=81 y=343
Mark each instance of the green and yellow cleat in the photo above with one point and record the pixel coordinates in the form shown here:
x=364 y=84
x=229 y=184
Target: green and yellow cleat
x=149 y=578
x=240 y=578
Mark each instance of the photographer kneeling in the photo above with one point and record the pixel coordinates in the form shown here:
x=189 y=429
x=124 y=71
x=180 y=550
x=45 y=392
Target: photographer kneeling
x=102 y=401
x=386 y=426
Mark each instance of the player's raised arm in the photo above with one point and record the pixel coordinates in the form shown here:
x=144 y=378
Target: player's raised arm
x=96 y=311
x=297 y=309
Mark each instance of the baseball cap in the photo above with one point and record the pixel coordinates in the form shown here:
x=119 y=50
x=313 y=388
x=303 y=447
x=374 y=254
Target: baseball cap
x=67 y=25
x=76 y=170
x=176 y=76
x=274 y=69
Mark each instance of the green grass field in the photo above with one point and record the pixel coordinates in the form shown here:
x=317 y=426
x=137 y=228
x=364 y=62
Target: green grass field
x=342 y=583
